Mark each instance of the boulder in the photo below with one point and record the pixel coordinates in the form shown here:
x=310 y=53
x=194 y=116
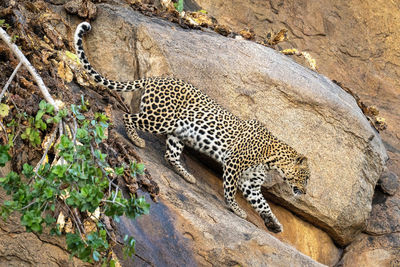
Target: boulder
x=385 y=215
x=190 y=226
x=353 y=42
x=299 y=106
x=334 y=34
x=371 y=251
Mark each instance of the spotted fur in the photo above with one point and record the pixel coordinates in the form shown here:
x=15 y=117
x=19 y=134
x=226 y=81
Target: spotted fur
x=246 y=149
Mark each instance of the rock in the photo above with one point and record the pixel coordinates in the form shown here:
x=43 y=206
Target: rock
x=385 y=215
x=372 y=251
x=299 y=106
x=305 y=237
x=189 y=225
x=389 y=183
x=334 y=34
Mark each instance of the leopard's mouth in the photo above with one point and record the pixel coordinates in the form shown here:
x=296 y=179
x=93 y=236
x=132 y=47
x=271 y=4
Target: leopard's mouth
x=297 y=191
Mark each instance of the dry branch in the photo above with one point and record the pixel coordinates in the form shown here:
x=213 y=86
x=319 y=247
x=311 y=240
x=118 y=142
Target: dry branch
x=7 y=39
x=10 y=80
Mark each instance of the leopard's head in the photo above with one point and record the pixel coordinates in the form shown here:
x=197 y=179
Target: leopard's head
x=296 y=173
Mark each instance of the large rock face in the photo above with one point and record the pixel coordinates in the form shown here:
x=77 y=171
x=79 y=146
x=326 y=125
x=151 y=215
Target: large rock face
x=189 y=226
x=301 y=107
x=354 y=42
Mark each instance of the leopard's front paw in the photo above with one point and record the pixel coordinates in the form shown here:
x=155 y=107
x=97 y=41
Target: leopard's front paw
x=272 y=226
x=241 y=213
x=189 y=178
x=139 y=142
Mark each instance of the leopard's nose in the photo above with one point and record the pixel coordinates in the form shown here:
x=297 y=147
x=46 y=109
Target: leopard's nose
x=297 y=191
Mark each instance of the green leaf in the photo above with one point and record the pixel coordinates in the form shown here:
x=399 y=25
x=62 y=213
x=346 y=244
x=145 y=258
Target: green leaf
x=82 y=135
x=32 y=135
x=4 y=110
x=4 y=156
x=63 y=113
x=39 y=114
x=140 y=168
x=10 y=140
x=129 y=248
x=80 y=117
x=49 y=219
x=179 y=7
x=96 y=255
x=59 y=170
x=40 y=124
x=119 y=170
x=49 y=109
x=49 y=192
x=84 y=104
x=101 y=117
x=42 y=105
x=27 y=170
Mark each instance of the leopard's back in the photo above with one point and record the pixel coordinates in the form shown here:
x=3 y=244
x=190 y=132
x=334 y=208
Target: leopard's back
x=172 y=106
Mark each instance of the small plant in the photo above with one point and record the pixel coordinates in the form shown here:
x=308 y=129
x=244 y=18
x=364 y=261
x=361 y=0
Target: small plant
x=36 y=124
x=179 y=6
x=3 y=24
x=79 y=182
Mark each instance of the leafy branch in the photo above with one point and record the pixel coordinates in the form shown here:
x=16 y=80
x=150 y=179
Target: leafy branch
x=82 y=183
x=75 y=183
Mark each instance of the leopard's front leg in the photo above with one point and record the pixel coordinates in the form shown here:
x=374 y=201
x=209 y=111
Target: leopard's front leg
x=230 y=181
x=251 y=188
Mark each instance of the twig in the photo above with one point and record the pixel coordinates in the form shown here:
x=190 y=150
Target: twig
x=10 y=80
x=76 y=223
x=115 y=196
x=7 y=39
x=74 y=131
x=5 y=132
x=113 y=202
x=53 y=136
x=116 y=95
x=30 y=204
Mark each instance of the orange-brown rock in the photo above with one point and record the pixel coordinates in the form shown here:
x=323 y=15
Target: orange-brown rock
x=299 y=106
x=372 y=251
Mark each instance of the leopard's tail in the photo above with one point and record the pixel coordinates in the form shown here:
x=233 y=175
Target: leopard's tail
x=83 y=28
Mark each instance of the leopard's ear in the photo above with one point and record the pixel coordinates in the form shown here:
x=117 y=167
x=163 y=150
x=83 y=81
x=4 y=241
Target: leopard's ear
x=301 y=160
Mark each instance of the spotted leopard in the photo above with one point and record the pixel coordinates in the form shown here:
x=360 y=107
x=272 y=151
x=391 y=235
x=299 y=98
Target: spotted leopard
x=245 y=148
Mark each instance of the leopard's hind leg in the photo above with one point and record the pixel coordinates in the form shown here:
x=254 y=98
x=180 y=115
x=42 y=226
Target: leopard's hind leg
x=173 y=154
x=250 y=185
x=131 y=121
x=147 y=123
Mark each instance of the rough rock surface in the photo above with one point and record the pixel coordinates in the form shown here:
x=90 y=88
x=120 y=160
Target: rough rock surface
x=354 y=42
x=256 y=82
x=190 y=227
x=371 y=251
x=19 y=248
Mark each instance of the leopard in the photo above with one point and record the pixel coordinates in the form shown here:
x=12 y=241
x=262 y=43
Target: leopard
x=187 y=116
